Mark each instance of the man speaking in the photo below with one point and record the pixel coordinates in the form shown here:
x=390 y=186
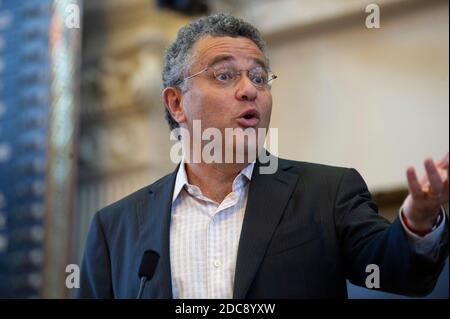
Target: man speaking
x=226 y=228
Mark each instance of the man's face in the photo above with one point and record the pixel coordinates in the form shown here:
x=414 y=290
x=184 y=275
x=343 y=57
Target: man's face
x=224 y=107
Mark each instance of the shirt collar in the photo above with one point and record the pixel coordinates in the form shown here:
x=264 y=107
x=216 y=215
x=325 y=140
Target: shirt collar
x=182 y=180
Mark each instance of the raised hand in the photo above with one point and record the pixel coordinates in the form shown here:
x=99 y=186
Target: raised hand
x=421 y=207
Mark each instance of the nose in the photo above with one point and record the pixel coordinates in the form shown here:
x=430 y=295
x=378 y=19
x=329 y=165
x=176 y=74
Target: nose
x=245 y=90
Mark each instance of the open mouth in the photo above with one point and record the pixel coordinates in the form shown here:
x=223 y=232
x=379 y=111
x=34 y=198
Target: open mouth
x=249 y=118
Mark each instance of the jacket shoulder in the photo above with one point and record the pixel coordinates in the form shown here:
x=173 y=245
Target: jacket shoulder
x=312 y=168
x=326 y=177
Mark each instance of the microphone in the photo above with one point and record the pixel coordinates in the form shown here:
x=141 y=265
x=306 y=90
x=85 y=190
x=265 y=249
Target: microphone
x=147 y=269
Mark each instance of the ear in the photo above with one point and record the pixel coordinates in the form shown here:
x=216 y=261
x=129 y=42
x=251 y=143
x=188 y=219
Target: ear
x=172 y=100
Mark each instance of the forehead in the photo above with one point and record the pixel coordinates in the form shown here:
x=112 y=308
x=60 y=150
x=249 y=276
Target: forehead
x=210 y=49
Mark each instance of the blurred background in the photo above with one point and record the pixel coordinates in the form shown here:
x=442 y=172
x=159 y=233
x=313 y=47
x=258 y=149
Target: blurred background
x=82 y=121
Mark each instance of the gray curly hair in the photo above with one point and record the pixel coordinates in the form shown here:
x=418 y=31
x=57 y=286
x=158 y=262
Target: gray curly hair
x=176 y=56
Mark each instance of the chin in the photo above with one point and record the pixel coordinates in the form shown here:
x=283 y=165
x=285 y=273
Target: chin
x=244 y=150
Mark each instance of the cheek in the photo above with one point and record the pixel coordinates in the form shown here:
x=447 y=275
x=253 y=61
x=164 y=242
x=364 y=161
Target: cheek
x=267 y=108
x=192 y=105
x=214 y=106
x=204 y=107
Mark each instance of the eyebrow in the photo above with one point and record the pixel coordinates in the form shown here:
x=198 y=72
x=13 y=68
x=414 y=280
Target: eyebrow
x=226 y=57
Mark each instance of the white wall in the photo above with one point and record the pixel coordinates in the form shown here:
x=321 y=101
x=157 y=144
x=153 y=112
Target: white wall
x=373 y=99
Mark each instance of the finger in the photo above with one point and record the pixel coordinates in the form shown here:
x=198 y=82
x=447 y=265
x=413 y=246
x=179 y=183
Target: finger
x=413 y=184
x=445 y=188
x=445 y=191
x=443 y=173
x=436 y=183
x=443 y=163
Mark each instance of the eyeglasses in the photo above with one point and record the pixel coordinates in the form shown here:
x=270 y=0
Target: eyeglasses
x=227 y=76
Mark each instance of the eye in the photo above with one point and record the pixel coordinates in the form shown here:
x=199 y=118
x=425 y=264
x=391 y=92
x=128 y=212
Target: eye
x=224 y=75
x=258 y=78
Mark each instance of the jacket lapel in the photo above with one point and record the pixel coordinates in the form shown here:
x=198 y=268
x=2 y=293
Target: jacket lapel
x=267 y=199
x=154 y=223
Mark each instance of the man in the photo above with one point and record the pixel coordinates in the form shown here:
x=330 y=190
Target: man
x=226 y=230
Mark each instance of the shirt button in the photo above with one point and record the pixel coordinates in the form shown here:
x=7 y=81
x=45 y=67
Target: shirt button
x=217 y=264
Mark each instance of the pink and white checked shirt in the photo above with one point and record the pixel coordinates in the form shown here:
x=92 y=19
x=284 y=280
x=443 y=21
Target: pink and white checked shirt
x=204 y=238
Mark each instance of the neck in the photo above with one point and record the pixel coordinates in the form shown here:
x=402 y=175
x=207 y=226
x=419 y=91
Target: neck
x=215 y=180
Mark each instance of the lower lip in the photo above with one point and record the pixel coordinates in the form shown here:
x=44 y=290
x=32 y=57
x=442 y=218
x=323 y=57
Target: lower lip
x=248 y=122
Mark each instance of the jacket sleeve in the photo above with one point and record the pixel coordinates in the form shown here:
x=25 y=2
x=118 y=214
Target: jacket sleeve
x=367 y=238
x=95 y=279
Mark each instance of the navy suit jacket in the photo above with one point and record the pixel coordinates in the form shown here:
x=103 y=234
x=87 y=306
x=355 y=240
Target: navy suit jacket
x=307 y=228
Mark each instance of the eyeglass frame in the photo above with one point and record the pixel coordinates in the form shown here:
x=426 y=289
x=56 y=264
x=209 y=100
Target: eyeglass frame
x=264 y=86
